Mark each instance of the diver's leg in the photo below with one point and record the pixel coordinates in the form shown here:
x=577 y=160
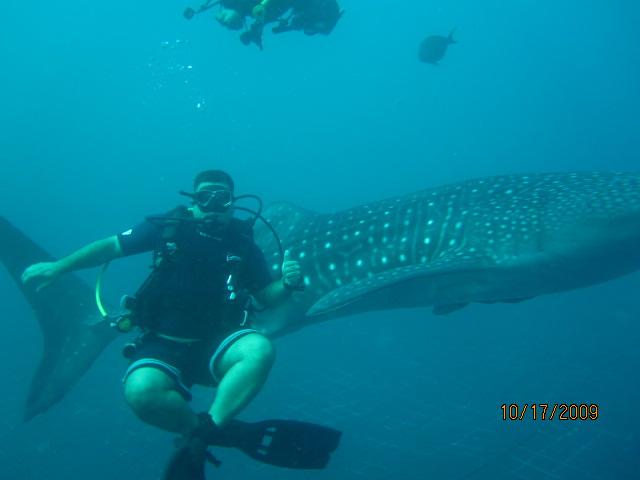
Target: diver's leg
x=243 y=369
x=154 y=398
x=230 y=19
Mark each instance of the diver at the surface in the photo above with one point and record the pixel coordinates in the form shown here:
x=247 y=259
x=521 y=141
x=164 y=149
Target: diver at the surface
x=194 y=315
x=309 y=16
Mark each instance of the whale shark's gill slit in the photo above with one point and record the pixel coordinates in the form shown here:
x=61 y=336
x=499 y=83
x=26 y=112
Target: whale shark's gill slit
x=392 y=236
x=320 y=260
x=413 y=232
x=441 y=244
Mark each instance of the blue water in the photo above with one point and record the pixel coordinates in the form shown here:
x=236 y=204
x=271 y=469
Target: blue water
x=107 y=109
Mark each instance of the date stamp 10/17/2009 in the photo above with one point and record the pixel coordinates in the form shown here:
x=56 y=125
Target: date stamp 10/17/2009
x=550 y=411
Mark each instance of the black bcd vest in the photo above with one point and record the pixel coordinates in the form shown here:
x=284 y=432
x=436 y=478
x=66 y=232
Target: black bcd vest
x=196 y=275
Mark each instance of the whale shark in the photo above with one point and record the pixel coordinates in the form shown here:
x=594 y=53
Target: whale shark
x=498 y=239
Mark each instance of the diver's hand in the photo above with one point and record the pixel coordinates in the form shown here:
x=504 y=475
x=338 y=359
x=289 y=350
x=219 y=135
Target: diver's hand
x=291 y=272
x=42 y=274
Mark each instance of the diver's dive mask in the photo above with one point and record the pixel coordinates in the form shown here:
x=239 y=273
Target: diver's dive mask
x=217 y=200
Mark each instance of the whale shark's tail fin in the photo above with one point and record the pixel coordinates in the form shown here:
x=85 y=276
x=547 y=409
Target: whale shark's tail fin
x=73 y=333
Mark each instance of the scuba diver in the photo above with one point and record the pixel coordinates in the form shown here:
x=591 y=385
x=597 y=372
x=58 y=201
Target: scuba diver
x=194 y=314
x=309 y=16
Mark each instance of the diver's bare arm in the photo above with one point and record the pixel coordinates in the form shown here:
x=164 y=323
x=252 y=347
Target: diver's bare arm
x=273 y=294
x=92 y=255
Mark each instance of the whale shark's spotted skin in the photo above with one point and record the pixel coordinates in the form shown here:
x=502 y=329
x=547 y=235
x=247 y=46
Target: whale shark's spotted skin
x=504 y=238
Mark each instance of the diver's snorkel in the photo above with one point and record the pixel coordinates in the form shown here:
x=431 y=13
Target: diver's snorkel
x=189 y=12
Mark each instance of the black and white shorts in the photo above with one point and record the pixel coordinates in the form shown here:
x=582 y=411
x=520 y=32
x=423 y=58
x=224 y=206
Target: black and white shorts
x=187 y=363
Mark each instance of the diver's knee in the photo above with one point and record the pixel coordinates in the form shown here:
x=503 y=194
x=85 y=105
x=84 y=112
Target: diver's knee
x=253 y=349
x=143 y=388
x=257 y=348
x=262 y=349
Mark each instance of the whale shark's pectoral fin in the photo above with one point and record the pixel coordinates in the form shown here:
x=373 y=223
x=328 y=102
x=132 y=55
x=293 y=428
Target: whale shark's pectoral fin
x=404 y=287
x=73 y=332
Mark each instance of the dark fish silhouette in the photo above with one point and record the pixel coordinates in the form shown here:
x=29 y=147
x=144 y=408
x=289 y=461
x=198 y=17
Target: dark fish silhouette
x=434 y=47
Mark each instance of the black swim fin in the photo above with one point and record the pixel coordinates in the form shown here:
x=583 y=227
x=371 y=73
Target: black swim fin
x=189 y=460
x=283 y=443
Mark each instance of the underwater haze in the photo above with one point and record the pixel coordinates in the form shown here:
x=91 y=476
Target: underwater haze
x=108 y=109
